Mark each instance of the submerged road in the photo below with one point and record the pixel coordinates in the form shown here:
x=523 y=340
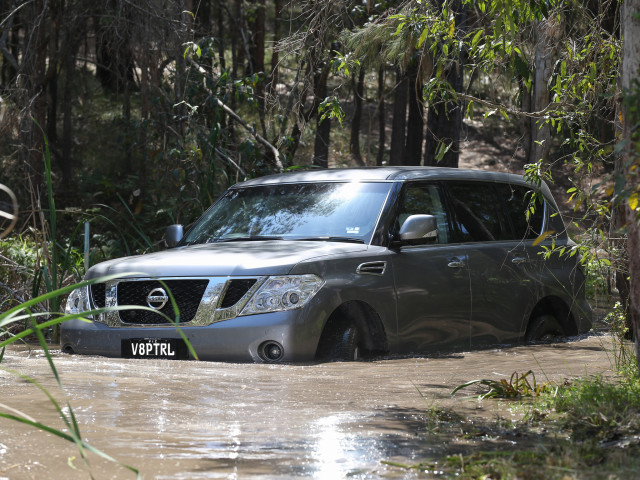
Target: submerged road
x=193 y=420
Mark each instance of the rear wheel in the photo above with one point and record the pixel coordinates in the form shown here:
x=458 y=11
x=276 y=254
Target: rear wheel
x=544 y=329
x=342 y=345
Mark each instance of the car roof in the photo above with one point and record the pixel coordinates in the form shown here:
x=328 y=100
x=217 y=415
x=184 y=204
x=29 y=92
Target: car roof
x=383 y=174
x=395 y=174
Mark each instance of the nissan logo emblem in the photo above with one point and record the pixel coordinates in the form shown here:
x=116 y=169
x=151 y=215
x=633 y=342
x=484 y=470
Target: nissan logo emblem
x=157 y=298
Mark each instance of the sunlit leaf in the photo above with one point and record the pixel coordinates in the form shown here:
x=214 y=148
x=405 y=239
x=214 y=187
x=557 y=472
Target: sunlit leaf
x=423 y=37
x=476 y=38
x=542 y=237
x=470 y=109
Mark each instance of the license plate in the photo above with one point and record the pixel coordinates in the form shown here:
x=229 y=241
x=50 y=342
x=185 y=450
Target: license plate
x=165 y=348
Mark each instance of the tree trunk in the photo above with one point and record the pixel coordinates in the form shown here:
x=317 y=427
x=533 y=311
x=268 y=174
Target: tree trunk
x=33 y=75
x=444 y=123
x=399 y=119
x=323 y=129
x=275 y=57
x=235 y=30
x=415 y=125
x=444 y=120
x=321 y=143
x=52 y=71
x=358 y=92
x=202 y=22
x=631 y=135
x=220 y=33
x=67 y=127
x=525 y=122
x=617 y=239
x=9 y=40
x=546 y=34
x=257 y=26
x=382 y=121
x=256 y=52
x=180 y=81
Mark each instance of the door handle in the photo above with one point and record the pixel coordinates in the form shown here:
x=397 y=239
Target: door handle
x=456 y=263
x=519 y=260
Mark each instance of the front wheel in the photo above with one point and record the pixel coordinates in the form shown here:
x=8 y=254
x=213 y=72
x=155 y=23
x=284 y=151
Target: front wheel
x=544 y=329
x=342 y=345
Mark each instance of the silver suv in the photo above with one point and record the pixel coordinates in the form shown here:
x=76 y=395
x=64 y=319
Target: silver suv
x=341 y=264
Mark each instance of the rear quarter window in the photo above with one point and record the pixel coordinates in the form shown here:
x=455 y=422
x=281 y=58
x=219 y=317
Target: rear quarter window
x=479 y=212
x=495 y=211
x=525 y=210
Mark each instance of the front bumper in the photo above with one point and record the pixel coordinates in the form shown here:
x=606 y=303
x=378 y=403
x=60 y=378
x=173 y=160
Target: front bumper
x=235 y=340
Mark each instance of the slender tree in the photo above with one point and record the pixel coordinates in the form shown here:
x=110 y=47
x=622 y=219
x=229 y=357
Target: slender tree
x=444 y=118
x=357 y=86
x=399 y=122
x=412 y=154
x=631 y=155
x=382 y=121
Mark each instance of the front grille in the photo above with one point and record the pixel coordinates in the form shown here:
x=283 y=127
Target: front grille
x=187 y=294
x=235 y=291
x=98 y=294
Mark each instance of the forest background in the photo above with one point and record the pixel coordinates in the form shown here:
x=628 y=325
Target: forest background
x=120 y=117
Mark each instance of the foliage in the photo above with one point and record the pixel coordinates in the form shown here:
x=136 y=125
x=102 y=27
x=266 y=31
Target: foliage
x=584 y=428
x=616 y=322
x=330 y=108
x=517 y=386
x=597 y=410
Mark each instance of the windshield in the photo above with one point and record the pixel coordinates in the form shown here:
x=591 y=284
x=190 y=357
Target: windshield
x=304 y=211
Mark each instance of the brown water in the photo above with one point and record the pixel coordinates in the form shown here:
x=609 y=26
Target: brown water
x=192 y=420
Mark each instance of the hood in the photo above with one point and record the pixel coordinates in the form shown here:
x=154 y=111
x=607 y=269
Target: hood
x=273 y=257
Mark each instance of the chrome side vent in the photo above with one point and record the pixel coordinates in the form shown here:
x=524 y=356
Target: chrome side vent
x=372 y=268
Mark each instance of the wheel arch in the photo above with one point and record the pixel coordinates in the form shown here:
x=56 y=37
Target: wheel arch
x=367 y=321
x=558 y=308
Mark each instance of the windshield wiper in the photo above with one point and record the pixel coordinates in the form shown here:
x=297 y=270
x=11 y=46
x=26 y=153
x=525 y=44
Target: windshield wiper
x=332 y=239
x=248 y=238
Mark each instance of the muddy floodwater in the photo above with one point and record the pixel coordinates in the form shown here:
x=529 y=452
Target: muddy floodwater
x=193 y=420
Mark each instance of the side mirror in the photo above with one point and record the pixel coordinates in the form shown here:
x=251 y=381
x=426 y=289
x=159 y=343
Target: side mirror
x=419 y=227
x=173 y=235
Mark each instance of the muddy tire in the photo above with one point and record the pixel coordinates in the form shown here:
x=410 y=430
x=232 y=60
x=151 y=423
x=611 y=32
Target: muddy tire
x=544 y=329
x=342 y=345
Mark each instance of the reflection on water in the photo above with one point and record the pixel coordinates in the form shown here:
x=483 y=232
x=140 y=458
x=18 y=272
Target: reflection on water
x=195 y=420
x=331 y=449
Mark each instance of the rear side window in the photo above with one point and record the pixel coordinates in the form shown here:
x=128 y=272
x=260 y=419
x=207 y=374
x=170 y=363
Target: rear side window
x=479 y=212
x=525 y=210
x=495 y=211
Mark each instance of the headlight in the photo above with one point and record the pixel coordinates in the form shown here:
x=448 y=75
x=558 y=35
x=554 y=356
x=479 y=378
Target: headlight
x=78 y=301
x=283 y=293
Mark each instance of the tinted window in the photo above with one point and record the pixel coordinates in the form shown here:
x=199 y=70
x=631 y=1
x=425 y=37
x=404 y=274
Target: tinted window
x=425 y=200
x=479 y=212
x=525 y=210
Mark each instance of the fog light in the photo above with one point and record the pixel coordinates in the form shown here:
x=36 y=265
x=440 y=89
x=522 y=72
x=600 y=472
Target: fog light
x=271 y=351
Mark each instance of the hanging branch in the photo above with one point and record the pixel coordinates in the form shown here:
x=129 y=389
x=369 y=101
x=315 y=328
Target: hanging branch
x=237 y=118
